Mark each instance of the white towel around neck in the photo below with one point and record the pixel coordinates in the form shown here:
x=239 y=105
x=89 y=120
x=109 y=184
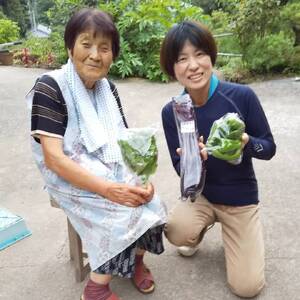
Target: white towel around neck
x=98 y=124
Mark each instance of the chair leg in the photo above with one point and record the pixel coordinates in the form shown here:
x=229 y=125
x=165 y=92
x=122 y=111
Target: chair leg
x=76 y=254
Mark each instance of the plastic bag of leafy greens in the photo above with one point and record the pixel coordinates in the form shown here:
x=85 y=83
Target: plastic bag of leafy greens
x=225 y=138
x=139 y=152
x=192 y=169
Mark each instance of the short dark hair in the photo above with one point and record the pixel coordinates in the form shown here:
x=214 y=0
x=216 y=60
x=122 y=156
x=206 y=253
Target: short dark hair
x=98 y=21
x=195 y=32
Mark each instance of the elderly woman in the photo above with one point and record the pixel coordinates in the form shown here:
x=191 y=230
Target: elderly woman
x=230 y=194
x=76 y=119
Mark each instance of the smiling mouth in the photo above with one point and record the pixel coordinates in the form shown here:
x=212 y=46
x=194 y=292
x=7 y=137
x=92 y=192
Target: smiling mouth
x=196 y=77
x=97 y=67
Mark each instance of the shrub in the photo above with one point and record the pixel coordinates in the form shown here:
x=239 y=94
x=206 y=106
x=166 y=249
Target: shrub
x=270 y=53
x=251 y=18
x=9 y=31
x=234 y=69
x=58 y=48
x=39 y=49
x=294 y=61
x=46 y=52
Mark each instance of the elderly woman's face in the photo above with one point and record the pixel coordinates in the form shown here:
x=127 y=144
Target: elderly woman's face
x=92 y=57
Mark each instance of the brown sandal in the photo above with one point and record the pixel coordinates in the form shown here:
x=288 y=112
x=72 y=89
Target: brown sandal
x=142 y=274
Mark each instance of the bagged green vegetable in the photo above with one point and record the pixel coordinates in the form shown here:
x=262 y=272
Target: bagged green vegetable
x=139 y=152
x=225 y=138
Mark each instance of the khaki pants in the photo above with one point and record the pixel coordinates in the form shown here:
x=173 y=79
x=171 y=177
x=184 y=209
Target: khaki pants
x=242 y=238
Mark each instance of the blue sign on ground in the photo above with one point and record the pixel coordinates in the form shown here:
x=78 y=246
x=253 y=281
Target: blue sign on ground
x=12 y=228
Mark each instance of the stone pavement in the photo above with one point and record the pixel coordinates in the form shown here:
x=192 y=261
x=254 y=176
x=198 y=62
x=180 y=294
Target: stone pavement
x=38 y=267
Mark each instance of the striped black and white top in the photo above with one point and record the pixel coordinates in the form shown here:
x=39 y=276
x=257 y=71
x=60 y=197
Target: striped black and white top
x=49 y=112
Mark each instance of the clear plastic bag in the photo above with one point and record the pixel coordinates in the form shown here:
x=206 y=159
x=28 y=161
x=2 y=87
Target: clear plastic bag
x=139 y=152
x=225 y=138
x=192 y=168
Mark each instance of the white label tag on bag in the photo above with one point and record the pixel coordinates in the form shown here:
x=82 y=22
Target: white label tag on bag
x=187 y=127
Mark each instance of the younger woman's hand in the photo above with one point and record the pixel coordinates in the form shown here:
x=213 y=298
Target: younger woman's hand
x=245 y=139
x=202 y=149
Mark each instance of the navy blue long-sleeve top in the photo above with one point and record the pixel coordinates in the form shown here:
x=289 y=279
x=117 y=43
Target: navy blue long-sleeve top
x=226 y=183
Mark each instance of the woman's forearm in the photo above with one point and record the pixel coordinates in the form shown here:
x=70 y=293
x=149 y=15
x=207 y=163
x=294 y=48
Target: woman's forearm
x=75 y=174
x=69 y=170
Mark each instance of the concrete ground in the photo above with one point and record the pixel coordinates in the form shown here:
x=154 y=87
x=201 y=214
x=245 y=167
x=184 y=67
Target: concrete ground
x=38 y=267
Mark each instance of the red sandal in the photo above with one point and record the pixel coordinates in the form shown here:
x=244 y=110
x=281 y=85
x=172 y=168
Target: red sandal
x=111 y=297
x=141 y=276
x=94 y=291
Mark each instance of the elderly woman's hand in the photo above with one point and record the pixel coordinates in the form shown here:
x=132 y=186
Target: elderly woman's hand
x=150 y=190
x=128 y=195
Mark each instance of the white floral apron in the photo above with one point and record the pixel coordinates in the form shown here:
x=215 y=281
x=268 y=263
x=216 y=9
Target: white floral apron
x=106 y=228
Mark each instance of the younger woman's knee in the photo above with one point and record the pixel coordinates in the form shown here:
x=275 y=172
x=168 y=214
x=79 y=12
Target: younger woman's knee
x=180 y=236
x=247 y=288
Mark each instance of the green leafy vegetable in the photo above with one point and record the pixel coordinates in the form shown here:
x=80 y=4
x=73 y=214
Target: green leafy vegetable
x=142 y=164
x=225 y=138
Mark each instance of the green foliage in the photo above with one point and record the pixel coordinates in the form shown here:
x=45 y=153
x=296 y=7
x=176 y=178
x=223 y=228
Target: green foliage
x=39 y=48
x=125 y=66
x=263 y=30
x=291 y=17
x=2 y=15
x=291 y=13
x=58 y=48
x=17 y=10
x=42 y=6
x=45 y=51
x=142 y=26
x=270 y=53
x=220 y=23
x=253 y=19
x=208 y=6
x=233 y=69
x=9 y=31
x=61 y=11
x=294 y=62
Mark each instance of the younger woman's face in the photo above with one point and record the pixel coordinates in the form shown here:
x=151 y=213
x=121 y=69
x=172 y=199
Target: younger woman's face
x=193 y=68
x=92 y=57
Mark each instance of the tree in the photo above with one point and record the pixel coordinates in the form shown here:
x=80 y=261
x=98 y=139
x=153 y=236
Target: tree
x=42 y=6
x=208 y=6
x=2 y=15
x=252 y=19
x=291 y=16
x=91 y=3
x=60 y=12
